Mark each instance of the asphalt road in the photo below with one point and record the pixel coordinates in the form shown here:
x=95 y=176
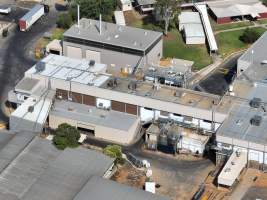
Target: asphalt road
x=218 y=81
x=14 y=50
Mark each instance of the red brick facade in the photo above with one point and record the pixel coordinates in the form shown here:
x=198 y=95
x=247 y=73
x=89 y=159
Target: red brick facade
x=262 y=16
x=224 y=20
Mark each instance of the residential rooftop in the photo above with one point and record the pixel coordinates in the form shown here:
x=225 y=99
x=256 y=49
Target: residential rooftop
x=113 y=34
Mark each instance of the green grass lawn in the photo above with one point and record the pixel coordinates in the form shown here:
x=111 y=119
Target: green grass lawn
x=174 y=46
x=262 y=21
x=229 y=42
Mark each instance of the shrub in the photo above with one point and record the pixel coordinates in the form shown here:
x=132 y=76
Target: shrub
x=114 y=151
x=249 y=36
x=64 y=20
x=66 y=136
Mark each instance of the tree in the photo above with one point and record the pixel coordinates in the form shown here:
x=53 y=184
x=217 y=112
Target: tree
x=168 y=9
x=66 y=136
x=249 y=36
x=64 y=20
x=114 y=151
x=264 y=2
x=93 y=8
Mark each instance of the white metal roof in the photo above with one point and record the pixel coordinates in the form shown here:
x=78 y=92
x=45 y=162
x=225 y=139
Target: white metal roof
x=194 y=30
x=232 y=168
x=189 y=18
x=119 y=18
x=237 y=8
x=202 y=8
x=61 y=67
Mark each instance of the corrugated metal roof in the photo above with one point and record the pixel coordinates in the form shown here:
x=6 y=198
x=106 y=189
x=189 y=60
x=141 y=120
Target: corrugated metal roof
x=98 y=188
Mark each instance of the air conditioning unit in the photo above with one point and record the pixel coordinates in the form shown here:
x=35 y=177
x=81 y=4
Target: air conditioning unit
x=255 y=102
x=91 y=63
x=256 y=120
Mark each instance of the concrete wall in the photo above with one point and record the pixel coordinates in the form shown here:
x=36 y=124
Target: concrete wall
x=101 y=132
x=119 y=59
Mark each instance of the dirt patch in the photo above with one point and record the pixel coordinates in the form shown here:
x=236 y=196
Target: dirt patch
x=128 y=175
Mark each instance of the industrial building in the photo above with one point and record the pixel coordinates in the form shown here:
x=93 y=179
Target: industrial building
x=117 y=46
x=80 y=92
x=252 y=64
x=242 y=140
x=191 y=27
x=236 y=10
x=32 y=168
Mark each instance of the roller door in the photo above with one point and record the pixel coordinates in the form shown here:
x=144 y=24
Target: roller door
x=93 y=55
x=131 y=109
x=118 y=106
x=89 y=100
x=76 y=97
x=74 y=52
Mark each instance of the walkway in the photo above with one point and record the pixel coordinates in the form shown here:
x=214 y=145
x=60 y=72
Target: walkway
x=242 y=28
x=202 y=9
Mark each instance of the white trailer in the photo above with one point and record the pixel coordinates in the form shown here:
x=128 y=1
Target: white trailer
x=31 y=17
x=5 y=9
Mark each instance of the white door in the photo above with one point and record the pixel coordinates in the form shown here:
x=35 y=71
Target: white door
x=93 y=55
x=74 y=52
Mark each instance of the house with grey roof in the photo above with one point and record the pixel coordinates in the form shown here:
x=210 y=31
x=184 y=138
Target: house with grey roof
x=117 y=46
x=145 y=6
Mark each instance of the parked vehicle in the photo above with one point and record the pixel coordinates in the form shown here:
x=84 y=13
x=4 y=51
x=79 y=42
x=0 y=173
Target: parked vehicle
x=5 y=9
x=31 y=17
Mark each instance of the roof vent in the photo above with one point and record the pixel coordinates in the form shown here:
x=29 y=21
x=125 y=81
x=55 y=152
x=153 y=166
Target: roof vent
x=256 y=120
x=255 y=102
x=91 y=63
x=145 y=33
x=40 y=66
x=116 y=36
x=30 y=109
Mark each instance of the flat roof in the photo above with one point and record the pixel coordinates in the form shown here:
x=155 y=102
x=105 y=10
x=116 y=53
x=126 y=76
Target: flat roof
x=26 y=85
x=232 y=168
x=68 y=173
x=238 y=125
x=98 y=188
x=93 y=115
x=189 y=18
x=255 y=57
x=194 y=30
x=236 y=8
x=76 y=70
x=24 y=119
x=113 y=34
